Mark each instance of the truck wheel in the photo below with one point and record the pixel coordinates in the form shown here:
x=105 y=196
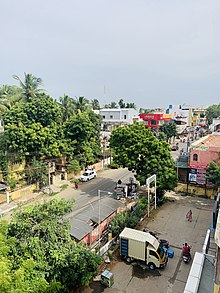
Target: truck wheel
x=128 y=259
x=152 y=266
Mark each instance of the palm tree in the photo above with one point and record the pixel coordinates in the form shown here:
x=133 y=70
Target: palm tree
x=9 y=96
x=30 y=86
x=82 y=104
x=67 y=106
x=95 y=104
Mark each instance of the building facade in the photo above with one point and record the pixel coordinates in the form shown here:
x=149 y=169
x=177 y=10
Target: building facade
x=113 y=118
x=155 y=120
x=202 y=152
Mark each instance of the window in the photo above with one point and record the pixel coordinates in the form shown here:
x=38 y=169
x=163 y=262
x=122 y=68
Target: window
x=153 y=122
x=153 y=253
x=111 y=117
x=125 y=117
x=195 y=157
x=103 y=116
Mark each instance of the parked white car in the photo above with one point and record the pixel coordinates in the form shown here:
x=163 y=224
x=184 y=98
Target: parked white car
x=88 y=175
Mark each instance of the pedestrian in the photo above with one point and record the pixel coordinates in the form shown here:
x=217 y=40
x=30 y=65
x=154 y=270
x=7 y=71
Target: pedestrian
x=189 y=215
x=76 y=185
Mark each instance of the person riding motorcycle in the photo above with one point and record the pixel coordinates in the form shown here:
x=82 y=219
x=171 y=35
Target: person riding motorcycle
x=186 y=250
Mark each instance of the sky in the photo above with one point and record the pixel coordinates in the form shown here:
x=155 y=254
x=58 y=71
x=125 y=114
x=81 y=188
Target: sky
x=149 y=52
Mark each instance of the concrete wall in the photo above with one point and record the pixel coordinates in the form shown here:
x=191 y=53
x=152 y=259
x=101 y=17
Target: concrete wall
x=3 y=197
x=22 y=191
x=196 y=190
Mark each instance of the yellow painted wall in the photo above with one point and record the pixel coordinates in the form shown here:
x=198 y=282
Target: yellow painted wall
x=3 y=197
x=216 y=288
x=195 y=190
x=15 y=168
x=22 y=192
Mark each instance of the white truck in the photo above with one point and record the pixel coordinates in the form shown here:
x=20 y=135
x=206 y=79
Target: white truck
x=139 y=245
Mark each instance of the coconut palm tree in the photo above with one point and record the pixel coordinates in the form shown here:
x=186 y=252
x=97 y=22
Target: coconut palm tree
x=82 y=104
x=9 y=96
x=67 y=106
x=30 y=86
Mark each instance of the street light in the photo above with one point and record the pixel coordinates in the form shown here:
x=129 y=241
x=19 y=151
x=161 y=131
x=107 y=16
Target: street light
x=99 y=220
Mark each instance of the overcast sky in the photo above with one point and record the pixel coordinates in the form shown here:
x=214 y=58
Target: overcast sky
x=150 y=52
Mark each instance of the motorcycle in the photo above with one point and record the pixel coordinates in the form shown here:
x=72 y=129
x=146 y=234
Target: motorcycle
x=187 y=258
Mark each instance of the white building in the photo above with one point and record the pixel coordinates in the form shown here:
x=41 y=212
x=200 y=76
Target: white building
x=113 y=118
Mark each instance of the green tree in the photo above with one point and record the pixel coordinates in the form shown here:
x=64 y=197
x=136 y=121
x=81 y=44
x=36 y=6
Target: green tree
x=213 y=172
x=95 y=104
x=9 y=96
x=67 y=107
x=83 y=130
x=121 y=103
x=74 y=167
x=82 y=104
x=131 y=105
x=29 y=86
x=112 y=105
x=34 y=128
x=41 y=232
x=23 y=277
x=169 y=130
x=212 y=112
x=136 y=148
x=37 y=172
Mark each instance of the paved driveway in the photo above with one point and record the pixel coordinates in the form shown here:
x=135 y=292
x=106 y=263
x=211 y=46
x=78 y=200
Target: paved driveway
x=170 y=223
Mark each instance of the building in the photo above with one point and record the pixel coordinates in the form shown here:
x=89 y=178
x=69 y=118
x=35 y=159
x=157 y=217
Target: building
x=113 y=118
x=202 y=152
x=181 y=113
x=199 y=118
x=85 y=225
x=215 y=126
x=155 y=120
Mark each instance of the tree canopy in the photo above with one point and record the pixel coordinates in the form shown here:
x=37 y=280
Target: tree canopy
x=169 y=130
x=136 y=148
x=212 y=112
x=213 y=172
x=29 y=86
x=37 y=253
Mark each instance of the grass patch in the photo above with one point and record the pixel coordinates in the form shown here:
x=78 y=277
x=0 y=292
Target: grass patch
x=63 y=187
x=54 y=193
x=74 y=180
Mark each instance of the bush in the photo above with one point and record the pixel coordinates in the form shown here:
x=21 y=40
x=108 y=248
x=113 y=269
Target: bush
x=113 y=165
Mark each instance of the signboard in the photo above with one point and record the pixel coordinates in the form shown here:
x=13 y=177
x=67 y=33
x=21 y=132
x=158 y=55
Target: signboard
x=192 y=175
x=150 y=179
x=201 y=176
x=197 y=176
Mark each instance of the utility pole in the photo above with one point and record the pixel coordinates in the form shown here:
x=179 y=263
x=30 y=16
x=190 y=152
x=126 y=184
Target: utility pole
x=48 y=174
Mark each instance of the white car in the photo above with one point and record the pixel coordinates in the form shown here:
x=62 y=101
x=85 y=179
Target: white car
x=88 y=175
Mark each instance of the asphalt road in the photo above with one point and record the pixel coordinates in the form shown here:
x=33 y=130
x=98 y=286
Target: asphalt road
x=87 y=192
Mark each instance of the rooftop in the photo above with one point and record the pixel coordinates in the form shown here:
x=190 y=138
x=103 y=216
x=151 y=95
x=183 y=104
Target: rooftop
x=82 y=222
x=211 y=140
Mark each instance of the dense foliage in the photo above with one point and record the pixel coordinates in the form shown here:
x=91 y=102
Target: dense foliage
x=213 y=172
x=169 y=130
x=36 y=127
x=128 y=219
x=37 y=248
x=212 y=112
x=136 y=148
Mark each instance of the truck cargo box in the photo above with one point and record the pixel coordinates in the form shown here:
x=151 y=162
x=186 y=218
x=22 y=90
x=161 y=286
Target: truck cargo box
x=133 y=243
